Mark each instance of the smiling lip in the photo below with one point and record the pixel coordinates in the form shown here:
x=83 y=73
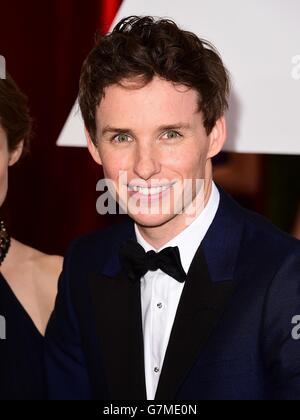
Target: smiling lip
x=152 y=191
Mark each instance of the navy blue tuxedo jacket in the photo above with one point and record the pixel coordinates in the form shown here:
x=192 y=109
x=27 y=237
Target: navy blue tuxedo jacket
x=232 y=336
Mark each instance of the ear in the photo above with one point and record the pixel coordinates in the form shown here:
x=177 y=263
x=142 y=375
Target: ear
x=92 y=148
x=217 y=137
x=15 y=155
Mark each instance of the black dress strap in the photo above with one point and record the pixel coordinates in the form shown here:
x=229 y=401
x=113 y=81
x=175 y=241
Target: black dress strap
x=21 y=350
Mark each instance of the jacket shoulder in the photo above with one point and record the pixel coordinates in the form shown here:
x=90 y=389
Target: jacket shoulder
x=260 y=238
x=92 y=250
x=263 y=233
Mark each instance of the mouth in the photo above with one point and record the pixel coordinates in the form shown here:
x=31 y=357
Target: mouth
x=150 y=192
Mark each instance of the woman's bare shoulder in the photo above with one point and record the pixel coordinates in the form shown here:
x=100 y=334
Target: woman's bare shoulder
x=33 y=277
x=50 y=265
x=42 y=265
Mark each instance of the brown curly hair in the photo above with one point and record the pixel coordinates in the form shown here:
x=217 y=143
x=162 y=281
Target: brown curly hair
x=144 y=47
x=14 y=114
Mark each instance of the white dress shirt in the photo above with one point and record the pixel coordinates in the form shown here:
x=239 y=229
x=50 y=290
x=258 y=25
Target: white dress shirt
x=160 y=293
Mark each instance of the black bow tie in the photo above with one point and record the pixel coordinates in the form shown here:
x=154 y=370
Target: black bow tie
x=136 y=262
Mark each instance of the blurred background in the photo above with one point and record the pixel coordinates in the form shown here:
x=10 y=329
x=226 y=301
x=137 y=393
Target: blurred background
x=52 y=192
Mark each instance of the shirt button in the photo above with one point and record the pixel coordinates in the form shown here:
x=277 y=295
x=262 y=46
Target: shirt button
x=156 y=370
x=159 y=305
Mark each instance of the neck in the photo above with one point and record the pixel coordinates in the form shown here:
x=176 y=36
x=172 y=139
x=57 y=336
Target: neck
x=4 y=242
x=160 y=235
x=11 y=257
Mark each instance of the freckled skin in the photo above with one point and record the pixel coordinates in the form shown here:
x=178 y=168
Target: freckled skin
x=148 y=153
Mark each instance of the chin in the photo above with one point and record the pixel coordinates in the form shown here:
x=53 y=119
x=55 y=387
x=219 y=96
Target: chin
x=152 y=221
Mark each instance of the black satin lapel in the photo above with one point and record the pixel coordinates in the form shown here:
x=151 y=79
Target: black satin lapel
x=201 y=305
x=117 y=309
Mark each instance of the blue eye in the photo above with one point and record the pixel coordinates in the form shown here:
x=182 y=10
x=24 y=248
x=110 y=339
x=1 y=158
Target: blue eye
x=172 y=134
x=121 y=138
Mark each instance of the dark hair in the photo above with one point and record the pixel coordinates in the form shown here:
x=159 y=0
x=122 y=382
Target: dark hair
x=14 y=114
x=144 y=47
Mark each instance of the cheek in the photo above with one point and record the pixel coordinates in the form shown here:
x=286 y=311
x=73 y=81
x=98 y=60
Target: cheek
x=113 y=163
x=3 y=183
x=189 y=162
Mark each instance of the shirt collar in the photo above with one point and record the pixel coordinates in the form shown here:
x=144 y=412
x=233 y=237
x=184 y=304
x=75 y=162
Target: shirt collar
x=191 y=237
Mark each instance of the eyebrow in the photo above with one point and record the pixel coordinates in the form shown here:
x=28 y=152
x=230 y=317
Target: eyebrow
x=177 y=126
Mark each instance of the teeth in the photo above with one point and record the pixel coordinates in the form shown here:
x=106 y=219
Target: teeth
x=149 y=191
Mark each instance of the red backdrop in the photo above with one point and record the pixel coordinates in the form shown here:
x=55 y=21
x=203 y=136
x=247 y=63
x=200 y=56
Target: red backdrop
x=52 y=193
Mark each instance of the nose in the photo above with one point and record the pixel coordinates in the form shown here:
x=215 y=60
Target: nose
x=146 y=163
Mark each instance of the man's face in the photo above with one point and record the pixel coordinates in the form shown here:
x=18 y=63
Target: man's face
x=155 y=135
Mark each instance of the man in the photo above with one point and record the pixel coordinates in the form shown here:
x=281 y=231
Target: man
x=191 y=298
